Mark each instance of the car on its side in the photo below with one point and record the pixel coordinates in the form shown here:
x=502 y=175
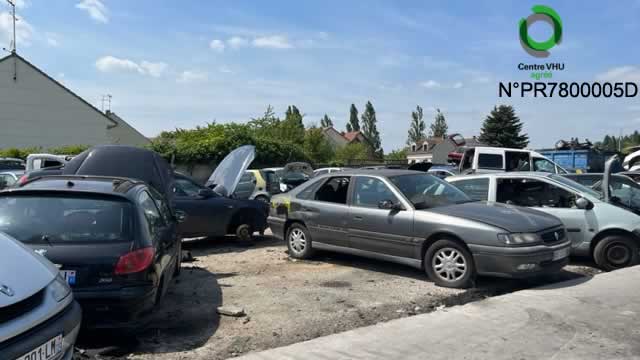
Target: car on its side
x=419 y=220
x=209 y=214
x=113 y=239
x=443 y=171
x=327 y=170
x=39 y=318
x=597 y=226
x=10 y=178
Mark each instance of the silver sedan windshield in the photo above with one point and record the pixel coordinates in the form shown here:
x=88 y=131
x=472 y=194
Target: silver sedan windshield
x=427 y=191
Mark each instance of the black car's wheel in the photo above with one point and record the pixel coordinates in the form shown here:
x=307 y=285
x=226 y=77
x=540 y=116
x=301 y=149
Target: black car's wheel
x=244 y=233
x=450 y=264
x=616 y=252
x=262 y=198
x=176 y=271
x=299 y=242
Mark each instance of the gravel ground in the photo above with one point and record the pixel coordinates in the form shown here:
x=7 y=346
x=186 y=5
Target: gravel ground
x=285 y=301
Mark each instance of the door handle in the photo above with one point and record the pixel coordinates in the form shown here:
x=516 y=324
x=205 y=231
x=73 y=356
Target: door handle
x=359 y=218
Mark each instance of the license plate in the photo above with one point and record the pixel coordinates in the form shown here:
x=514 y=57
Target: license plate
x=69 y=275
x=46 y=351
x=560 y=254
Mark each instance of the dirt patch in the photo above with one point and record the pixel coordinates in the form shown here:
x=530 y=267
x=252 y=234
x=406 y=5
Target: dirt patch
x=288 y=301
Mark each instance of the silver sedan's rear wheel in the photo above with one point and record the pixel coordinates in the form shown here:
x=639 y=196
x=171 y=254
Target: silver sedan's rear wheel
x=448 y=263
x=299 y=241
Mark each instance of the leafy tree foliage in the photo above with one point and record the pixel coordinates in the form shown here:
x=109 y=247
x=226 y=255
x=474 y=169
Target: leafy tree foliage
x=326 y=121
x=396 y=155
x=370 y=128
x=316 y=147
x=503 y=128
x=416 y=130
x=354 y=123
x=22 y=153
x=352 y=154
x=439 y=127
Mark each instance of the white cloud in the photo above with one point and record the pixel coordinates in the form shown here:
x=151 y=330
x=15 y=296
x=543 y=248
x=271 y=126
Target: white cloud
x=430 y=84
x=114 y=64
x=457 y=85
x=96 y=10
x=237 y=42
x=24 y=30
x=21 y=4
x=191 y=76
x=217 y=45
x=272 y=42
x=225 y=70
x=52 y=39
x=622 y=73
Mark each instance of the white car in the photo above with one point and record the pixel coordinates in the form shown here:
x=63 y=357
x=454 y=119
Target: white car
x=38 y=317
x=483 y=159
x=597 y=224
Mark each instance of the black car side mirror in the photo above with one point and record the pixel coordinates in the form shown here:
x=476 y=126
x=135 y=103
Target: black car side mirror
x=389 y=205
x=205 y=192
x=584 y=204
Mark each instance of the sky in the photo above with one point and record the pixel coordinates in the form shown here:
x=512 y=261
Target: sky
x=179 y=64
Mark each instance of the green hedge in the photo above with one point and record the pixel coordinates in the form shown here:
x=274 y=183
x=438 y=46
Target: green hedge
x=22 y=153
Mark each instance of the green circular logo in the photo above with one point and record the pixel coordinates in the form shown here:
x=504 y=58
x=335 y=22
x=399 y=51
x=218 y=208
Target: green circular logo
x=546 y=14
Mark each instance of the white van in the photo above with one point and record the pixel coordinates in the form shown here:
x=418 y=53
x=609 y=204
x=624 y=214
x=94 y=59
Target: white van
x=493 y=159
x=41 y=161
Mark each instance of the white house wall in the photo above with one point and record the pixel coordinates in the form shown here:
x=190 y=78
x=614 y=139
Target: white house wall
x=35 y=111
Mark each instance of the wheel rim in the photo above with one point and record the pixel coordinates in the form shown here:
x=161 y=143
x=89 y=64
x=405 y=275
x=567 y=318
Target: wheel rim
x=618 y=254
x=297 y=240
x=449 y=264
x=243 y=232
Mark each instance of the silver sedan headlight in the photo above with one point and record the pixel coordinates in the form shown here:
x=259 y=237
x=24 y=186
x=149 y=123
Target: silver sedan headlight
x=520 y=238
x=59 y=289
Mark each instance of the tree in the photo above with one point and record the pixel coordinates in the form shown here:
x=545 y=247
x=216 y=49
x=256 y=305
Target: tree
x=354 y=123
x=439 y=127
x=353 y=153
x=416 y=130
x=370 y=129
x=326 y=121
x=397 y=155
x=503 y=128
x=316 y=147
x=292 y=127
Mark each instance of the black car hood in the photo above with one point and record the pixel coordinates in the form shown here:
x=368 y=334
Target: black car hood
x=508 y=217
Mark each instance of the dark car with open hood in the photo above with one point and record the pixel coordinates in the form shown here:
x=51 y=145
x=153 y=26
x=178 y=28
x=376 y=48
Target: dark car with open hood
x=417 y=219
x=113 y=239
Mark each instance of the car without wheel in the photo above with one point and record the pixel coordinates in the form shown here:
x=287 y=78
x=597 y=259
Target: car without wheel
x=38 y=317
x=113 y=239
x=599 y=224
x=419 y=220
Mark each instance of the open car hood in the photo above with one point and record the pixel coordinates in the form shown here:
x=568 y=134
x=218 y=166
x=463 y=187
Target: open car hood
x=226 y=176
x=609 y=166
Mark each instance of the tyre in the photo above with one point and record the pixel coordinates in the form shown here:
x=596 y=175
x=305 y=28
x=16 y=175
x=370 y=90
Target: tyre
x=450 y=264
x=176 y=271
x=616 y=252
x=299 y=242
x=262 y=198
x=244 y=233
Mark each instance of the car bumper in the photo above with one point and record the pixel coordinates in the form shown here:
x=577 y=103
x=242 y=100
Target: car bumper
x=67 y=323
x=521 y=262
x=276 y=225
x=128 y=307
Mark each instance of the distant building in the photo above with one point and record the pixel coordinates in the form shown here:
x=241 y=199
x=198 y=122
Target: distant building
x=37 y=110
x=437 y=150
x=341 y=139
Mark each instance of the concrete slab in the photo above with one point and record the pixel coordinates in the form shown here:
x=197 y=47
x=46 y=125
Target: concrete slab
x=587 y=318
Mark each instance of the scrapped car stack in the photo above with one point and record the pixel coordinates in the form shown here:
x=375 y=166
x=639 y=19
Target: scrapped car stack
x=99 y=236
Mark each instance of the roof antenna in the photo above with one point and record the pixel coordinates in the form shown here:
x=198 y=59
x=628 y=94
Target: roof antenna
x=106 y=98
x=13 y=46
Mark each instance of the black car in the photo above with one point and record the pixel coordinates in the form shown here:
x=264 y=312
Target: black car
x=211 y=214
x=114 y=240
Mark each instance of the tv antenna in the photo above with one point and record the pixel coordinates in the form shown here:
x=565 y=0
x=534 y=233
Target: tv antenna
x=106 y=98
x=12 y=47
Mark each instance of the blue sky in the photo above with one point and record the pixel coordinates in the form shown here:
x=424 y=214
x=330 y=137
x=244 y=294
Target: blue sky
x=180 y=64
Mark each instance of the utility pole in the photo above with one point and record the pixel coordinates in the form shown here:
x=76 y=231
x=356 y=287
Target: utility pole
x=13 y=16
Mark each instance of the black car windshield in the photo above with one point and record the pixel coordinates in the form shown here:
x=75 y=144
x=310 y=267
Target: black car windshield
x=65 y=219
x=9 y=164
x=427 y=191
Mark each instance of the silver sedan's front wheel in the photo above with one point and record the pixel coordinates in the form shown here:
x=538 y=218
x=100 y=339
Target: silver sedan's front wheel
x=449 y=263
x=299 y=241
